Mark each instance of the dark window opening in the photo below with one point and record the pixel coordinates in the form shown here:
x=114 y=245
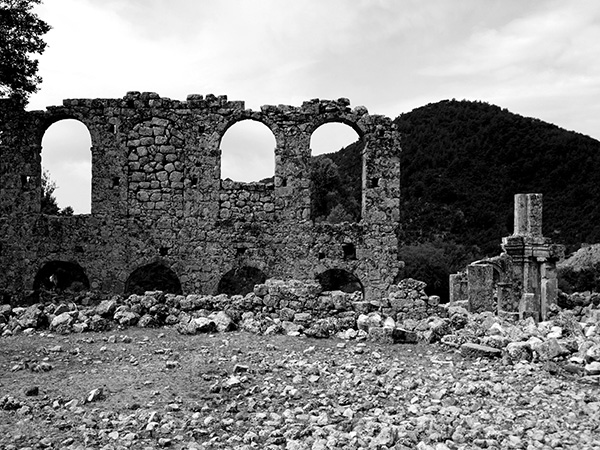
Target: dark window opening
x=241 y=281
x=194 y=181
x=339 y=280
x=153 y=277
x=163 y=251
x=283 y=182
x=78 y=249
x=349 y=251
x=116 y=181
x=321 y=255
x=24 y=180
x=240 y=251
x=374 y=182
x=61 y=275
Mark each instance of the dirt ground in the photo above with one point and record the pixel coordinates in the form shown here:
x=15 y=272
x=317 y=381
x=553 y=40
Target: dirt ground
x=144 y=388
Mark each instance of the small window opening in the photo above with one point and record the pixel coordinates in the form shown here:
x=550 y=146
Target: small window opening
x=78 y=249
x=116 y=181
x=374 y=182
x=240 y=251
x=339 y=280
x=25 y=180
x=163 y=251
x=349 y=251
x=194 y=181
x=321 y=255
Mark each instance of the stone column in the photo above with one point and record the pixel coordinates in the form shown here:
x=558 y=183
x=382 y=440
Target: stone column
x=459 y=288
x=548 y=289
x=507 y=307
x=528 y=307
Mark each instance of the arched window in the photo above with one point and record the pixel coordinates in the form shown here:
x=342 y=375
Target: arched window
x=61 y=275
x=336 y=174
x=153 y=277
x=67 y=168
x=240 y=281
x=248 y=152
x=339 y=280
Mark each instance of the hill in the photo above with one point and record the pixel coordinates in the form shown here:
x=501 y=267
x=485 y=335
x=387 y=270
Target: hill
x=462 y=163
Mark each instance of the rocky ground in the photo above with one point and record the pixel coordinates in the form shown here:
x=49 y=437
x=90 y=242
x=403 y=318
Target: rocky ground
x=150 y=388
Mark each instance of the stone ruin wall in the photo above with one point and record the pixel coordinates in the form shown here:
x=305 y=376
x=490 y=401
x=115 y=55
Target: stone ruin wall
x=157 y=195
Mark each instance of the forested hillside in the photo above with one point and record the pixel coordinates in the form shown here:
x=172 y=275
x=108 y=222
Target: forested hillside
x=461 y=164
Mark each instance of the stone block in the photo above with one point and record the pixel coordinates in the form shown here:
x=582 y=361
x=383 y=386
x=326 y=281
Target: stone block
x=471 y=349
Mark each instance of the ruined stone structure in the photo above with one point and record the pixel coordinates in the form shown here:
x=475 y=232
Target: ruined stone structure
x=521 y=282
x=158 y=199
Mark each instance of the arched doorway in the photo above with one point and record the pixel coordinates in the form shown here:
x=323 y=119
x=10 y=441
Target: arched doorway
x=241 y=280
x=61 y=275
x=153 y=277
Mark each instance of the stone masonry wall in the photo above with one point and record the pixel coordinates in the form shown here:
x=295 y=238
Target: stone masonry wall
x=158 y=197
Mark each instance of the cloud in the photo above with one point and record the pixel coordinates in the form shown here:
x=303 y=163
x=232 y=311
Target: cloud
x=535 y=58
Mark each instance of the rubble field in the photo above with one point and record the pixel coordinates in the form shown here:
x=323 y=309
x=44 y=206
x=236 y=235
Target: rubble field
x=147 y=388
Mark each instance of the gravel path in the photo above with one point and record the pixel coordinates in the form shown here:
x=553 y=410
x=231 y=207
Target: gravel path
x=143 y=389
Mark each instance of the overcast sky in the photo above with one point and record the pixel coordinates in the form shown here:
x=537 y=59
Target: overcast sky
x=536 y=58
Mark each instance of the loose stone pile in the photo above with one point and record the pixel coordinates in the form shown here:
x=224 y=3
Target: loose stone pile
x=406 y=315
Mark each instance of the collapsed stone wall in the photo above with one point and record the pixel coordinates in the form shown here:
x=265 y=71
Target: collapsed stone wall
x=158 y=197
x=289 y=306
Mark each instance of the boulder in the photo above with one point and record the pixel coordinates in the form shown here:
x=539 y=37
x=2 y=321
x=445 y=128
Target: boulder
x=106 y=308
x=222 y=321
x=203 y=325
x=593 y=353
x=62 y=323
x=31 y=317
x=124 y=316
x=549 y=349
x=519 y=351
x=147 y=321
x=592 y=368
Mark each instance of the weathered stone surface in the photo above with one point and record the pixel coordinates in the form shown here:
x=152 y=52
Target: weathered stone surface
x=475 y=350
x=62 y=323
x=106 y=308
x=519 y=351
x=31 y=317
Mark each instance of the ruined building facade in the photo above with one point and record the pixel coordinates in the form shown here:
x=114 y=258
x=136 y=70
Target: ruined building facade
x=158 y=199
x=522 y=281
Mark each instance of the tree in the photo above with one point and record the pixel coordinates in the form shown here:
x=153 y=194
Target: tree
x=49 y=204
x=21 y=32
